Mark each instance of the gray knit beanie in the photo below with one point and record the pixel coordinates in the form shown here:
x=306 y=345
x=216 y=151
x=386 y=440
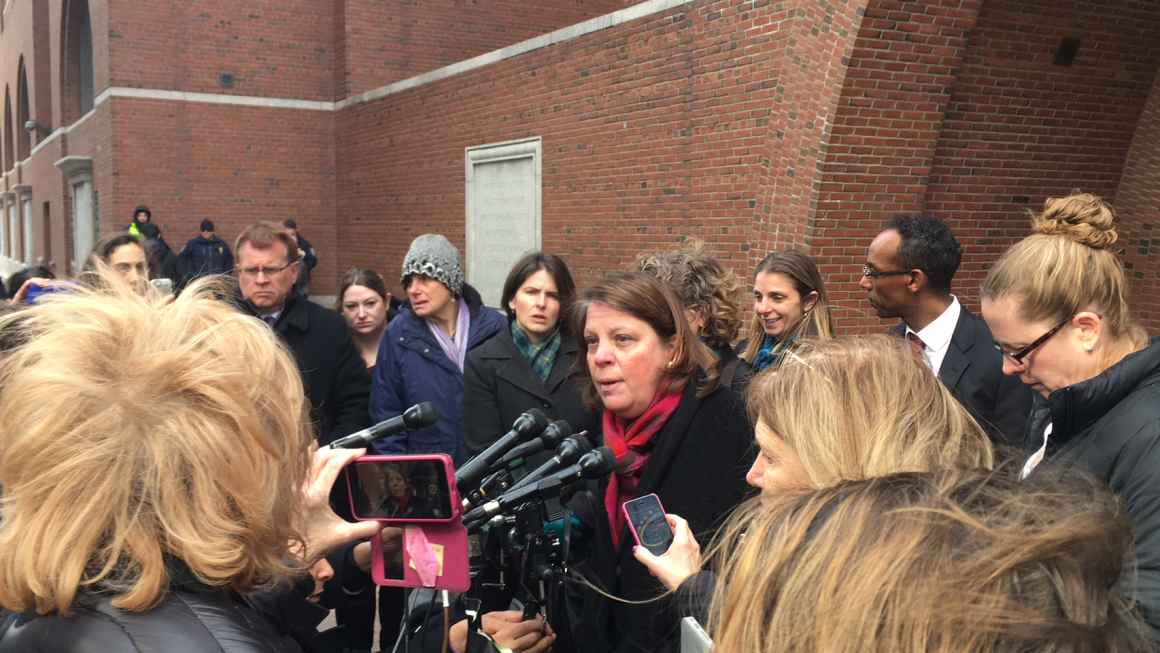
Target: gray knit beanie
x=432 y=255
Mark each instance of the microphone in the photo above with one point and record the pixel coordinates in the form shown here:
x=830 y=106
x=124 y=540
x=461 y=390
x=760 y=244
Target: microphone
x=416 y=417
x=594 y=464
x=549 y=439
x=527 y=426
x=566 y=454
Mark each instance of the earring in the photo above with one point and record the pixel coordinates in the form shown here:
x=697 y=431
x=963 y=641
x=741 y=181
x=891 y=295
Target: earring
x=669 y=365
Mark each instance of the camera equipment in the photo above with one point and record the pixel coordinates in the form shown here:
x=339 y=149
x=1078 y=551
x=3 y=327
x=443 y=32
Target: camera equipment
x=527 y=426
x=521 y=534
x=416 y=417
x=549 y=439
x=593 y=464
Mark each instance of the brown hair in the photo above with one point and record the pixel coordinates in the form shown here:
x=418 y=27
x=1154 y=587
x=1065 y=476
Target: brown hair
x=645 y=298
x=702 y=285
x=954 y=561
x=264 y=235
x=360 y=277
x=1066 y=265
x=137 y=428
x=803 y=272
x=857 y=407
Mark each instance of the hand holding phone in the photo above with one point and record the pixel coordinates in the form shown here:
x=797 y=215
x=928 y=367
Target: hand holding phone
x=646 y=520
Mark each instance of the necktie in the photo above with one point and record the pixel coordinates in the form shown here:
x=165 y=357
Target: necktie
x=270 y=319
x=916 y=344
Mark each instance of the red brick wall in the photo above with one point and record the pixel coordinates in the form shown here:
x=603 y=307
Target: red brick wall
x=651 y=131
x=233 y=165
x=1138 y=206
x=389 y=41
x=882 y=144
x=956 y=109
x=272 y=49
x=1020 y=129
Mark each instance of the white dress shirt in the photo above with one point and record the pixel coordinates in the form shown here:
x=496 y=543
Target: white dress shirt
x=936 y=336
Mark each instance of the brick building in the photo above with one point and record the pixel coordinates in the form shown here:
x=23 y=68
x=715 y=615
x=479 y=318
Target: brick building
x=593 y=128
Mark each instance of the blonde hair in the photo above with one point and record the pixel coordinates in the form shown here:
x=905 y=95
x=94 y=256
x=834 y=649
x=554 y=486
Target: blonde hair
x=137 y=429
x=702 y=285
x=815 y=323
x=1066 y=265
x=858 y=407
x=956 y=561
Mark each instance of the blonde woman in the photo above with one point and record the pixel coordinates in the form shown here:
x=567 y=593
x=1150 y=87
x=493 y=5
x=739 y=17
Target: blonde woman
x=789 y=302
x=156 y=472
x=943 y=562
x=1057 y=306
x=837 y=410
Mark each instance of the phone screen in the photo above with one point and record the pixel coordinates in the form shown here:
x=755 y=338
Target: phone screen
x=402 y=490
x=648 y=522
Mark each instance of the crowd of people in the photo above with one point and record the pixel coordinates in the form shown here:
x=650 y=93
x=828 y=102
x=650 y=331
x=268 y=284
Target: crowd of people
x=961 y=483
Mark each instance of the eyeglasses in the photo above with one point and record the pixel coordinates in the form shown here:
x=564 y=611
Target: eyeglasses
x=269 y=272
x=870 y=272
x=1023 y=353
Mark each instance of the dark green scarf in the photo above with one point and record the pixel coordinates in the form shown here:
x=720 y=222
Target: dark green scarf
x=542 y=356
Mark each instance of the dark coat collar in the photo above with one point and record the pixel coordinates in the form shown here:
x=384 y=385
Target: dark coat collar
x=1077 y=407
x=518 y=371
x=958 y=356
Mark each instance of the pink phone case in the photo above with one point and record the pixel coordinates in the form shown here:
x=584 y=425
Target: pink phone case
x=450 y=543
x=631 y=526
x=449 y=470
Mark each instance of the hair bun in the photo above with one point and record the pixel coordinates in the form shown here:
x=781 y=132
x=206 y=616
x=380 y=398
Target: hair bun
x=1082 y=217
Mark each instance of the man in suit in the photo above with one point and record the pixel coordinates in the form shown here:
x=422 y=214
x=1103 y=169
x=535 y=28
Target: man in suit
x=908 y=272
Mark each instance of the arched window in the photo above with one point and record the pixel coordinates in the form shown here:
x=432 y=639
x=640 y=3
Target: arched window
x=77 y=61
x=8 y=158
x=22 y=144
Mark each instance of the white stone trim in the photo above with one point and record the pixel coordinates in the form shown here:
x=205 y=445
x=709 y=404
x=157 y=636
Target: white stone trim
x=213 y=98
x=495 y=56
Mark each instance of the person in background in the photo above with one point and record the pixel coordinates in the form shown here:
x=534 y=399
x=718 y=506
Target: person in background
x=306 y=254
x=908 y=273
x=1057 y=305
x=157 y=475
x=141 y=226
x=675 y=431
x=35 y=272
x=953 y=561
x=837 y=410
x=126 y=255
x=204 y=255
x=789 y=302
x=426 y=347
x=365 y=304
x=711 y=296
x=531 y=363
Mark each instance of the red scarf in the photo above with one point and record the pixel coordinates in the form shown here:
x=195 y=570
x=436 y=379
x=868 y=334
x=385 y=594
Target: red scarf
x=631 y=443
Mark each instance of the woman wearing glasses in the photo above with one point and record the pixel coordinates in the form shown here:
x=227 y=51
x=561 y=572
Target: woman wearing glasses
x=1056 y=303
x=789 y=301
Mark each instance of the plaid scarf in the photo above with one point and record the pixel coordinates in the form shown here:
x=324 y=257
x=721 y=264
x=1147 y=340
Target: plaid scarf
x=542 y=356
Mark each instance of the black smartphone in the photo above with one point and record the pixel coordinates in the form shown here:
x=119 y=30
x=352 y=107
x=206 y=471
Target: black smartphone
x=646 y=520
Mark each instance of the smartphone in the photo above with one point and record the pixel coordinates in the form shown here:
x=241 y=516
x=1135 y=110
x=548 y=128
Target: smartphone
x=164 y=286
x=403 y=489
x=646 y=520
x=443 y=546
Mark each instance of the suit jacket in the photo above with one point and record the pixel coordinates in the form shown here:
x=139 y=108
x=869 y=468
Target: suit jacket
x=697 y=468
x=973 y=371
x=499 y=385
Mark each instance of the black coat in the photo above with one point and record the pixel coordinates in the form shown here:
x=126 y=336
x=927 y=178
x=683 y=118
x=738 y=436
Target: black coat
x=697 y=468
x=499 y=385
x=201 y=257
x=191 y=618
x=333 y=373
x=1110 y=425
x=973 y=371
